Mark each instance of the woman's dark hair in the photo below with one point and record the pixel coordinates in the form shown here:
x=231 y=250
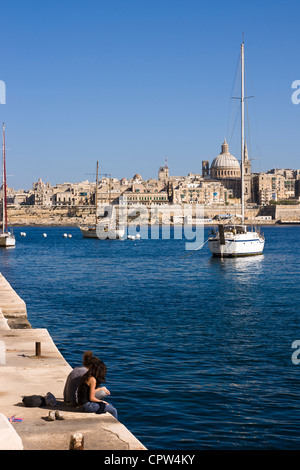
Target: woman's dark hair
x=97 y=369
x=87 y=357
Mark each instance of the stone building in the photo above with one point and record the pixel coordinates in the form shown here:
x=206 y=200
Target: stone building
x=297 y=189
x=73 y=194
x=20 y=197
x=275 y=185
x=110 y=190
x=147 y=192
x=163 y=173
x=196 y=190
x=219 y=183
x=41 y=194
x=135 y=190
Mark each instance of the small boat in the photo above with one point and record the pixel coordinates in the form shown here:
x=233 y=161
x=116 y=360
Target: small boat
x=7 y=239
x=237 y=240
x=105 y=234
x=105 y=228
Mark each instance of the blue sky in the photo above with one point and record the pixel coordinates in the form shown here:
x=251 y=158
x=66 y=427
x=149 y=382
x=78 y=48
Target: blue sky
x=132 y=82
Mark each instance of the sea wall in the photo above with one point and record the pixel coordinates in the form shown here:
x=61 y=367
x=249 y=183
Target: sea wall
x=50 y=215
x=13 y=311
x=80 y=215
x=287 y=213
x=31 y=364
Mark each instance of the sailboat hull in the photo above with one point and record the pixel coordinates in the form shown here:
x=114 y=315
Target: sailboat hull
x=110 y=234
x=7 y=240
x=88 y=232
x=234 y=252
x=231 y=244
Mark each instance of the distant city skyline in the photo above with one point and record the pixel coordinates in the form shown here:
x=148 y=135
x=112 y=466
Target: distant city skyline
x=132 y=83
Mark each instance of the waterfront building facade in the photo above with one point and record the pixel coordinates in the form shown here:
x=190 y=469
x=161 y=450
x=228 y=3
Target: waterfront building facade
x=219 y=183
x=275 y=185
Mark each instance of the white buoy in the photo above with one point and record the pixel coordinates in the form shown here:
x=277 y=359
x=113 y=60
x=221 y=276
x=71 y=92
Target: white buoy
x=23 y=234
x=70 y=236
x=44 y=235
x=65 y=235
x=138 y=236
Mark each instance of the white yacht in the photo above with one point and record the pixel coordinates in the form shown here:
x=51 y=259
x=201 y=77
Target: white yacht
x=238 y=240
x=7 y=239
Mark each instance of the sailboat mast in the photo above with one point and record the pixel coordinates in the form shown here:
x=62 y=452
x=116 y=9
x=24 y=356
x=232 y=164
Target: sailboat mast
x=96 y=193
x=109 y=188
x=242 y=130
x=4 y=196
x=3 y=203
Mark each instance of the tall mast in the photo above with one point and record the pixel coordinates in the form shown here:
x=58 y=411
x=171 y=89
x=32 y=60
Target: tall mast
x=109 y=196
x=96 y=193
x=242 y=130
x=4 y=196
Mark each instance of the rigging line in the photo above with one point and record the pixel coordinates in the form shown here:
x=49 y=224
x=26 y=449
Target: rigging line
x=237 y=116
x=248 y=127
x=248 y=119
x=257 y=134
x=233 y=84
x=255 y=127
x=199 y=248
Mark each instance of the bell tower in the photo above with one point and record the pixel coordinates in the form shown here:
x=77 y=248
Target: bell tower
x=205 y=168
x=247 y=175
x=163 y=173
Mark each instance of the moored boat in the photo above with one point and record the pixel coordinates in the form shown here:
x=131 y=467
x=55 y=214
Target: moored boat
x=7 y=239
x=105 y=228
x=238 y=239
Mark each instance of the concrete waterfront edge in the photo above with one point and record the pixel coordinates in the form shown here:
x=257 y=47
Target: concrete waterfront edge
x=9 y=438
x=23 y=372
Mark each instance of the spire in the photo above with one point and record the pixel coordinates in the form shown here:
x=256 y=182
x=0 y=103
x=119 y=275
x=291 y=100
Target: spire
x=225 y=147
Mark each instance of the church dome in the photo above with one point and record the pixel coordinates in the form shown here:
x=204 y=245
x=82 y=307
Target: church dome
x=225 y=165
x=137 y=176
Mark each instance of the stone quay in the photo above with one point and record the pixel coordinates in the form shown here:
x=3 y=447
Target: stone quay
x=31 y=364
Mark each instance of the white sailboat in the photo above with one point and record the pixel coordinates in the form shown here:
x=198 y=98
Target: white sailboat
x=104 y=228
x=7 y=239
x=238 y=240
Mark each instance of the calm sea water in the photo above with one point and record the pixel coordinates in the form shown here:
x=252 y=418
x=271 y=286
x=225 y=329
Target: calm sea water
x=198 y=350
